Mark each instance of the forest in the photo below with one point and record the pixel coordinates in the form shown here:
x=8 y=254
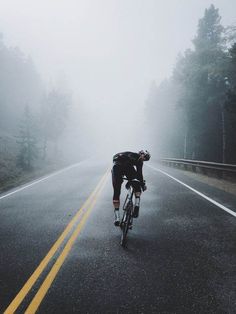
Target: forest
x=32 y=118
x=192 y=114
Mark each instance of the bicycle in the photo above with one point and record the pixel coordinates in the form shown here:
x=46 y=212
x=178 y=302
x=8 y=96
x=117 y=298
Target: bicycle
x=128 y=209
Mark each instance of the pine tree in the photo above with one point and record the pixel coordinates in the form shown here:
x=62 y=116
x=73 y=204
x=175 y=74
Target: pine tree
x=53 y=117
x=27 y=141
x=230 y=104
x=202 y=76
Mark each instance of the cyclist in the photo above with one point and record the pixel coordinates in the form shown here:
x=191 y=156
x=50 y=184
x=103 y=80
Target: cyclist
x=125 y=164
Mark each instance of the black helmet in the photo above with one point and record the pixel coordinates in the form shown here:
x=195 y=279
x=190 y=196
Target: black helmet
x=146 y=154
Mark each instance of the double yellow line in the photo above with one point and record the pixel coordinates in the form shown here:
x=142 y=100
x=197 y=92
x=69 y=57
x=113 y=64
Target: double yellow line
x=32 y=308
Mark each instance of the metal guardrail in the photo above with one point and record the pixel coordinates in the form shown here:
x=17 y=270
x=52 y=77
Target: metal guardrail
x=205 y=166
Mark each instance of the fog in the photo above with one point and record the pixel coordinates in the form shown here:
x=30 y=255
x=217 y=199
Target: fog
x=106 y=53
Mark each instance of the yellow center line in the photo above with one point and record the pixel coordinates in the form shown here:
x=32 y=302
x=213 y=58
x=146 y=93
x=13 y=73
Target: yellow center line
x=33 y=278
x=32 y=308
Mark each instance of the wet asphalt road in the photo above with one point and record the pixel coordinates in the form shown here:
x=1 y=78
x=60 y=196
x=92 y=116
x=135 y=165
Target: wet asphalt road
x=180 y=256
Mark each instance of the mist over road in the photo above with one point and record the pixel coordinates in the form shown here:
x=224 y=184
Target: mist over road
x=180 y=255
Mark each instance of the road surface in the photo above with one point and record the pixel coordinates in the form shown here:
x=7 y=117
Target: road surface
x=60 y=252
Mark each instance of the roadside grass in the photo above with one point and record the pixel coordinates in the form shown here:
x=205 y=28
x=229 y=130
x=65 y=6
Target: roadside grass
x=12 y=176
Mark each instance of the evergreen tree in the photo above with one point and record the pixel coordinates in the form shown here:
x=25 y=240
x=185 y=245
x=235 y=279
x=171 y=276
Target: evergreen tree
x=53 y=117
x=19 y=84
x=27 y=141
x=201 y=73
x=231 y=71
x=230 y=104
x=203 y=89
x=161 y=107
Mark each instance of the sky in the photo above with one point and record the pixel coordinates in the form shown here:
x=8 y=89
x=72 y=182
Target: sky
x=108 y=51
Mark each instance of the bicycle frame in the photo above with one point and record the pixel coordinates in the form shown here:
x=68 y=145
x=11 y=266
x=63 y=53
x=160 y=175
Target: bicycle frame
x=129 y=197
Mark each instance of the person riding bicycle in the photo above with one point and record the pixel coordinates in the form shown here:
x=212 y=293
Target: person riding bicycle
x=124 y=164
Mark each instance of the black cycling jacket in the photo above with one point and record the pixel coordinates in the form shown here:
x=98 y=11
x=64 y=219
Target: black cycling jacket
x=126 y=159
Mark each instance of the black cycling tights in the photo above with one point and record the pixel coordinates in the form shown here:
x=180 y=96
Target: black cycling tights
x=118 y=172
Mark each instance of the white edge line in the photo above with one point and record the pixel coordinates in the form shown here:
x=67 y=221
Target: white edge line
x=40 y=180
x=197 y=192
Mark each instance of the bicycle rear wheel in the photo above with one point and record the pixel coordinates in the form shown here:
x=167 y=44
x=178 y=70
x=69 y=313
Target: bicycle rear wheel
x=125 y=223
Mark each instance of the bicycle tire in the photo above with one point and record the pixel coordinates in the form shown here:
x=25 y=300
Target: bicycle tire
x=125 y=226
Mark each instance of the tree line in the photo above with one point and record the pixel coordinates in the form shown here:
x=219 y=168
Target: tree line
x=32 y=118
x=192 y=114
